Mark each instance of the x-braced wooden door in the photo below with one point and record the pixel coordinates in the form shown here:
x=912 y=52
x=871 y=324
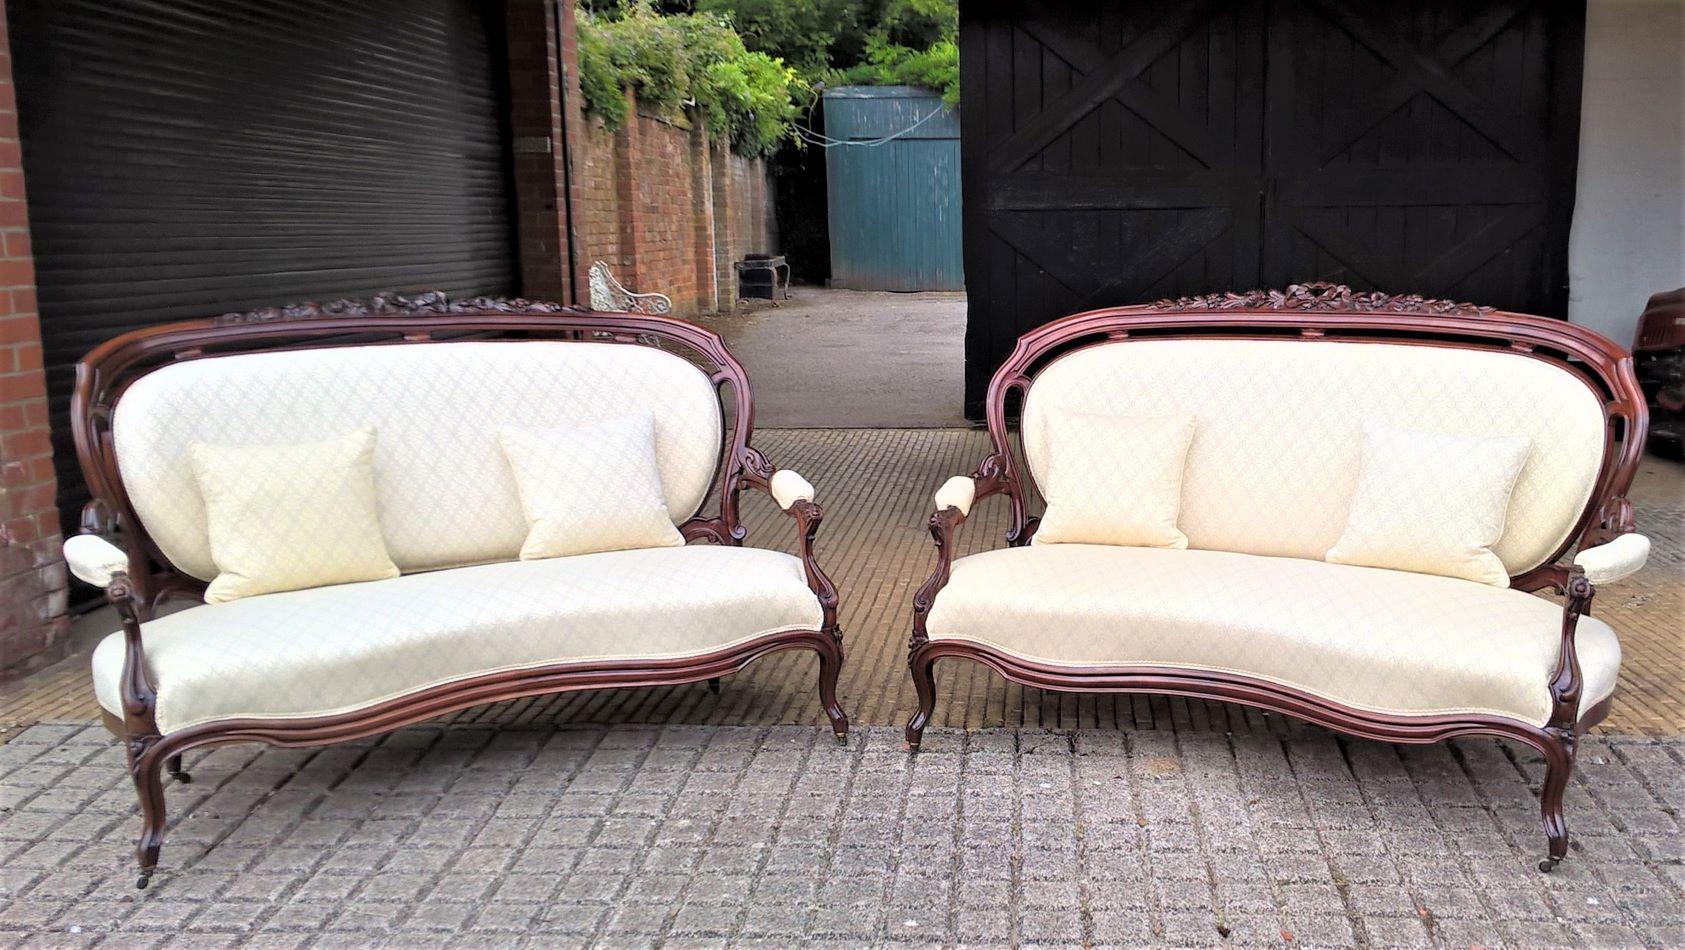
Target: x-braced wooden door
x=1117 y=153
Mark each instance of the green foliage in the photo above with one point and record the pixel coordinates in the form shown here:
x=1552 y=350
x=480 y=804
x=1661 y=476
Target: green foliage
x=889 y=64
x=919 y=24
x=807 y=34
x=675 y=64
x=866 y=42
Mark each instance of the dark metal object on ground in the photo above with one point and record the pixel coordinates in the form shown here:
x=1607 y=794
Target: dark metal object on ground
x=757 y=277
x=1658 y=350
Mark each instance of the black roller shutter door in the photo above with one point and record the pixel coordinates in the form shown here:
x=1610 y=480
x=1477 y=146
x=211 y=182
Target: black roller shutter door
x=188 y=158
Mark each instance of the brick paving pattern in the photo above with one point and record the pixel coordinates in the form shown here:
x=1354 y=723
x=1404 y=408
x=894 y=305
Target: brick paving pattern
x=876 y=485
x=707 y=836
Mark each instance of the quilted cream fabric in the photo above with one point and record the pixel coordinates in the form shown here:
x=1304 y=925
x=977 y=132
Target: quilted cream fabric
x=1614 y=560
x=335 y=649
x=447 y=496
x=286 y=517
x=589 y=489
x=1386 y=641
x=1431 y=502
x=93 y=560
x=1114 y=479
x=1278 y=425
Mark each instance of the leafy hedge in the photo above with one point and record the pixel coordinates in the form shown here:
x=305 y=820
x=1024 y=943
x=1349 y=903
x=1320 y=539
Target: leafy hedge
x=684 y=66
x=854 y=42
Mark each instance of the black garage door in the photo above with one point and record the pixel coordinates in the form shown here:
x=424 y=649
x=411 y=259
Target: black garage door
x=189 y=157
x=1116 y=153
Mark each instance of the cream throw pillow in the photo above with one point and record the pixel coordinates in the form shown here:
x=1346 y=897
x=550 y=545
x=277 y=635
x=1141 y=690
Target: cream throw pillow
x=1432 y=502
x=594 y=488
x=1114 y=479
x=286 y=517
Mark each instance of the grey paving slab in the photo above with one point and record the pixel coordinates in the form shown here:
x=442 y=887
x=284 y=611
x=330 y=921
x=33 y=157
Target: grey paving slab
x=685 y=836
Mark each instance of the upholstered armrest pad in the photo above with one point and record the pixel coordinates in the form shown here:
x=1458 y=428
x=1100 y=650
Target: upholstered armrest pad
x=788 y=488
x=94 y=559
x=957 y=492
x=1613 y=560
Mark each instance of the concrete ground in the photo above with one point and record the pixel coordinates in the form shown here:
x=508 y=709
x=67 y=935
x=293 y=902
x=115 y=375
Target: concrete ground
x=775 y=836
x=852 y=359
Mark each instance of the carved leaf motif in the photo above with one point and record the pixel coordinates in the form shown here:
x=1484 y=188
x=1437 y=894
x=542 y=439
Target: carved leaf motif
x=1320 y=296
x=388 y=304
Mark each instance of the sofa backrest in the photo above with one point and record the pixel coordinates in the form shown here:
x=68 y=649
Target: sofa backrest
x=446 y=494
x=1279 y=426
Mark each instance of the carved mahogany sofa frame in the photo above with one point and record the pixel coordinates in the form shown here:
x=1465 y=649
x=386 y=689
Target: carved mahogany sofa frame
x=1314 y=312
x=104 y=374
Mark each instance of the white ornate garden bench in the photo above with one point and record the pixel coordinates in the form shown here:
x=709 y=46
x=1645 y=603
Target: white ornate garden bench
x=403 y=509
x=1328 y=504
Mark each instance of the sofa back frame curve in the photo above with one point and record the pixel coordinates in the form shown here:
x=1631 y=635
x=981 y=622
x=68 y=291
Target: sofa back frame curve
x=1314 y=312
x=108 y=370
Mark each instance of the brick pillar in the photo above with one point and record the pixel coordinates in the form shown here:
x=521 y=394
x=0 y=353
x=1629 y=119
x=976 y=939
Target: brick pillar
x=702 y=218
x=537 y=69
x=628 y=163
x=32 y=573
x=724 y=204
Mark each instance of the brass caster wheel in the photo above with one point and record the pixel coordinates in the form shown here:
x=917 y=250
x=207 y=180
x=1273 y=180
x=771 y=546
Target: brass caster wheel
x=140 y=883
x=842 y=738
x=1548 y=865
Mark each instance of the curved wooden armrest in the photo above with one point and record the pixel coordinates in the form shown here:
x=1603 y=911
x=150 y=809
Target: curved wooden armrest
x=1566 y=684
x=954 y=501
x=794 y=494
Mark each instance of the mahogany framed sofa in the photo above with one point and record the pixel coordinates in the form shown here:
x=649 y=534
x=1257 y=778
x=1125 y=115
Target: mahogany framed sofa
x=1328 y=504
x=470 y=542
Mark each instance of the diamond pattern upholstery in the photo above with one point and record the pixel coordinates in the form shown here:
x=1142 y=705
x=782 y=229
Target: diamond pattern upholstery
x=286 y=517
x=1385 y=641
x=1278 y=429
x=1431 y=502
x=1114 y=480
x=336 y=649
x=446 y=494
x=594 y=488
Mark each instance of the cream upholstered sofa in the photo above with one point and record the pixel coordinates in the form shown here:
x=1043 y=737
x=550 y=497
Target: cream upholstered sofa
x=460 y=620
x=1279 y=388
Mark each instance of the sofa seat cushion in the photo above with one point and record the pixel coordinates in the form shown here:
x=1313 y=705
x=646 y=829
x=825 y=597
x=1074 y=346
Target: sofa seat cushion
x=1385 y=641
x=336 y=649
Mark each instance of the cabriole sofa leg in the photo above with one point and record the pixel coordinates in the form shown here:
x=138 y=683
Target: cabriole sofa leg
x=172 y=765
x=1559 y=765
x=146 y=768
x=830 y=665
x=924 y=681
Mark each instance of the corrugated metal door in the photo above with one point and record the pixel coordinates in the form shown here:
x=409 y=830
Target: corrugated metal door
x=894 y=207
x=187 y=158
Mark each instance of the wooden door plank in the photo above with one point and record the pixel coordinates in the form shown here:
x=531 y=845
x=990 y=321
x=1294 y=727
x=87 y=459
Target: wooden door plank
x=1054 y=117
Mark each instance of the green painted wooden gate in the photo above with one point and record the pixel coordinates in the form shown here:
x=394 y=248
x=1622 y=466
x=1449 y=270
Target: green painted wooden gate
x=894 y=205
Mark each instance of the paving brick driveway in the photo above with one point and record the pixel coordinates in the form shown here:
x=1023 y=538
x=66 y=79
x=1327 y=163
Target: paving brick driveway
x=707 y=836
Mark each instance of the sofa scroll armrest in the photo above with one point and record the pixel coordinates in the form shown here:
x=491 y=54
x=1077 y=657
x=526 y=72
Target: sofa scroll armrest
x=787 y=488
x=1613 y=560
x=958 y=492
x=94 y=559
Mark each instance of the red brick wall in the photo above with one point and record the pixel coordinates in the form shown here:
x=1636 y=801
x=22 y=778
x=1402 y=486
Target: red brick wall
x=32 y=573
x=668 y=211
x=535 y=126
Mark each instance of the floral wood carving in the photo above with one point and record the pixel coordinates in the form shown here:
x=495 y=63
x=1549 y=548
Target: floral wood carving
x=1321 y=296
x=389 y=304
